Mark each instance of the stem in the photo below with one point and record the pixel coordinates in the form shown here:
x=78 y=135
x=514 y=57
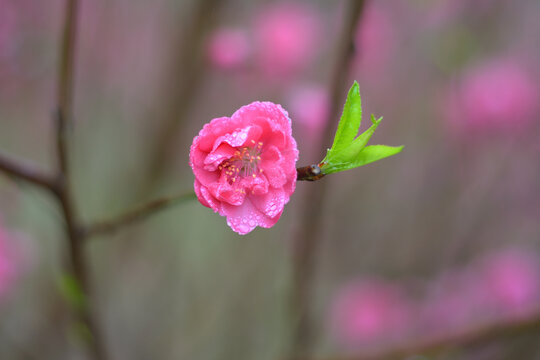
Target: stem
x=66 y=62
x=136 y=214
x=309 y=173
x=63 y=189
x=80 y=270
x=141 y=212
x=26 y=173
x=307 y=240
x=433 y=345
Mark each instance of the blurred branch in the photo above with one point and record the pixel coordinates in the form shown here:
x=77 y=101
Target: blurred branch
x=26 y=173
x=66 y=61
x=141 y=212
x=433 y=345
x=136 y=214
x=185 y=80
x=64 y=192
x=306 y=239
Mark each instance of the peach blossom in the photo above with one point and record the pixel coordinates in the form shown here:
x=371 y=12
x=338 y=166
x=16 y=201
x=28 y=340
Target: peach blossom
x=245 y=165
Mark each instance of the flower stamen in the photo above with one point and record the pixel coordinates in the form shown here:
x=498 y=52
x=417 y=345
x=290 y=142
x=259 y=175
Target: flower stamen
x=244 y=163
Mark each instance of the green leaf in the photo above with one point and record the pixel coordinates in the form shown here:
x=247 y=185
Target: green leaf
x=366 y=156
x=349 y=122
x=350 y=153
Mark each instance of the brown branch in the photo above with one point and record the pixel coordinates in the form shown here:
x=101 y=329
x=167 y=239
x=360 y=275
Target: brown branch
x=309 y=173
x=26 y=173
x=59 y=184
x=66 y=61
x=64 y=192
x=136 y=214
x=306 y=238
x=141 y=212
x=433 y=345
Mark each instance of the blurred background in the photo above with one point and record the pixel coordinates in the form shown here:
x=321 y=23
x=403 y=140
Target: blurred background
x=443 y=236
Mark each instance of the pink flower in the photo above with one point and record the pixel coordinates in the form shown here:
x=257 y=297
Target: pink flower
x=375 y=39
x=310 y=106
x=454 y=300
x=8 y=262
x=504 y=283
x=287 y=37
x=228 y=48
x=512 y=280
x=8 y=22
x=371 y=312
x=245 y=165
x=496 y=96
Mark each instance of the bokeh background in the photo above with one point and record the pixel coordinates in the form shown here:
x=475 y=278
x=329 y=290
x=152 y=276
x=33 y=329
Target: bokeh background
x=443 y=236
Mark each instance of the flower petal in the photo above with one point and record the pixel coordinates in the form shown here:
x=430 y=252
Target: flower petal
x=217 y=156
x=211 y=131
x=243 y=219
x=197 y=187
x=270 y=204
x=271 y=114
x=271 y=164
x=229 y=193
x=239 y=137
x=210 y=200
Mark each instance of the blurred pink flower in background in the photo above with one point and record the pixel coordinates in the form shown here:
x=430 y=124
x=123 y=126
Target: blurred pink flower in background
x=495 y=96
x=309 y=105
x=245 y=165
x=229 y=48
x=500 y=284
x=371 y=312
x=453 y=301
x=9 y=261
x=286 y=36
x=8 y=23
x=511 y=278
x=493 y=287
x=375 y=40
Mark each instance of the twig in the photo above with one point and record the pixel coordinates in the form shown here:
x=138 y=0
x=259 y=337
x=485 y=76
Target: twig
x=306 y=240
x=66 y=61
x=63 y=189
x=309 y=173
x=141 y=212
x=136 y=214
x=26 y=173
x=433 y=345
